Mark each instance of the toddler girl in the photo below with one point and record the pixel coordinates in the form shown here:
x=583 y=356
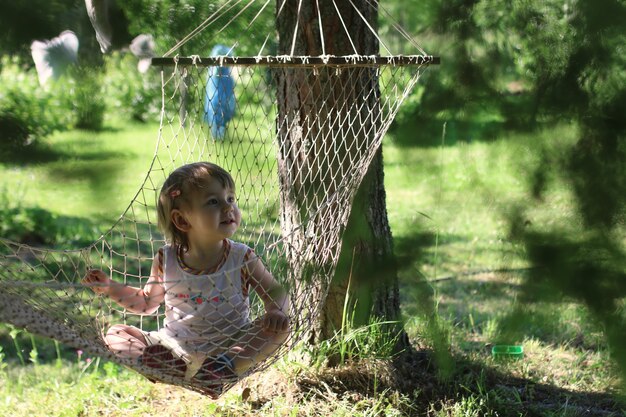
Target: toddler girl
x=204 y=279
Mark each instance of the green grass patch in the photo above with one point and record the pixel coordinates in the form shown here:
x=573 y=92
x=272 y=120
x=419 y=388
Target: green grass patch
x=82 y=174
x=77 y=388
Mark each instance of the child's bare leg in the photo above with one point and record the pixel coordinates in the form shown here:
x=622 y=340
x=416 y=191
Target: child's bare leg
x=125 y=341
x=254 y=346
x=129 y=342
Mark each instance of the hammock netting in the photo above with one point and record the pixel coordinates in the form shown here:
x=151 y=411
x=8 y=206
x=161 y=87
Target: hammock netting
x=296 y=133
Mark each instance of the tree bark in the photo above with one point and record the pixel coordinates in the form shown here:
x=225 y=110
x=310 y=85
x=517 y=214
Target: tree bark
x=307 y=121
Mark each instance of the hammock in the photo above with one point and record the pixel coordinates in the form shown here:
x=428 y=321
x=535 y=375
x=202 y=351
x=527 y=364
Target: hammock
x=301 y=138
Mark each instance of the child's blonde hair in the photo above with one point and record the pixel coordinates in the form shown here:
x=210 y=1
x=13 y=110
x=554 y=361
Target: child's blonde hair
x=177 y=191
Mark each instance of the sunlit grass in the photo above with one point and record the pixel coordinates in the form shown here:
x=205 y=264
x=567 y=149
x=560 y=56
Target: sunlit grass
x=72 y=389
x=91 y=175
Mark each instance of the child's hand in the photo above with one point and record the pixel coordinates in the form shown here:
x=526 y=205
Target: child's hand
x=98 y=281
x=275 y=321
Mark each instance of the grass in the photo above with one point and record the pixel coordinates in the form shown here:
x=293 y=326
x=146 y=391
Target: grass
x=91 y=175
x=449 y=206
x=456 y=199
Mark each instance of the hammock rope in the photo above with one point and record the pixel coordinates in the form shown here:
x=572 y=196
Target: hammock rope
x=296 y=165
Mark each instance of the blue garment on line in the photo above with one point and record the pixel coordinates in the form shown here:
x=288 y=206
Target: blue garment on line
x=219 y=101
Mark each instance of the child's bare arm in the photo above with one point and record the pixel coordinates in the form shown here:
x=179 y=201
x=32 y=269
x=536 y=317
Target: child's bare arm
x=137 y=300
x=274 y=296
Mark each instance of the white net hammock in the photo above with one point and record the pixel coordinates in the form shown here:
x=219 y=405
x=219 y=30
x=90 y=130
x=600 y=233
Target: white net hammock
x=297 y=135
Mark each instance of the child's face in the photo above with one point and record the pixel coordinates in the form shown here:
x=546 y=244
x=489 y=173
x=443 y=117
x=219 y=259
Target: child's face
x=213 y=213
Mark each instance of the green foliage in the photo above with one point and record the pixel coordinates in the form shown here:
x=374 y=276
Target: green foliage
x=85 y=97
x=13 y=334
x=13 y=131
x=128 y=93
x=498 y=57
x=377 y=339
x=23 y=22
x=466 y=406
x=28 y=224
x=587 y=79
x=28 y=112
x=170 y=21
x=464 y=85
x=3 y=364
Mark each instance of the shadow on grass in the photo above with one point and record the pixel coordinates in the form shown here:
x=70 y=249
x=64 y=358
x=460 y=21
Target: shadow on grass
x=43 y=153
x=477 y=299
x=427 y=132
x=36 y=153
x=421 y=244
x=411 y=384
x=99 y=175
x=473 y=301
x=98 y=171
x=494 y=391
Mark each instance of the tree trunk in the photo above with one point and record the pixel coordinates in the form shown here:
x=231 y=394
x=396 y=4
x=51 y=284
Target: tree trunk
x=308 y=120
